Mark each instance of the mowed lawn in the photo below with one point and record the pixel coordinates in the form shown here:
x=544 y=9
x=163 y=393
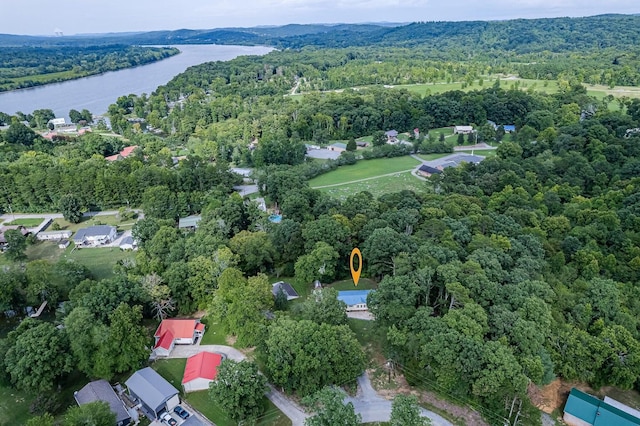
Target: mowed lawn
x=100 y=261
x=14 y=406
x=26 y=222
x=364 y=169
x=173 y=370
x=378 y=186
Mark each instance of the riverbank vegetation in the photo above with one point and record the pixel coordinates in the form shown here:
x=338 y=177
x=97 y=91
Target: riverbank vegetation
x=31 y=66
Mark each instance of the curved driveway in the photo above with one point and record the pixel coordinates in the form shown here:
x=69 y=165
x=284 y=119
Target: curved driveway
x=371 y=406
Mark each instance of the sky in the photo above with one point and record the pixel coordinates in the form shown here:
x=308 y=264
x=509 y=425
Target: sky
x=44 y=17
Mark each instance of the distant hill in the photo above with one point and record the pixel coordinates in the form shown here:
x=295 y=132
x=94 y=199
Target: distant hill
x=519 y=36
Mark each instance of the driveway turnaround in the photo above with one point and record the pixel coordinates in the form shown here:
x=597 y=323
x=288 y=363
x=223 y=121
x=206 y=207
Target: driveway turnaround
x=371 y=406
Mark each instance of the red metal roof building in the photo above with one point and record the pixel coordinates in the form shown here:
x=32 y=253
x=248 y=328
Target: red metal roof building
x=176 y=331
x=201 y=369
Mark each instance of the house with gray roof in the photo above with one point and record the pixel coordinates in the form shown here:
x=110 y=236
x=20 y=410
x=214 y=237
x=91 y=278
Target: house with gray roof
x=95 y=235
x=189 y=222
x=152 y=392
x=101 y=390
x=286 y=288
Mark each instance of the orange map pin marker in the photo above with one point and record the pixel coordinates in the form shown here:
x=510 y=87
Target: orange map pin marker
x=355 y=274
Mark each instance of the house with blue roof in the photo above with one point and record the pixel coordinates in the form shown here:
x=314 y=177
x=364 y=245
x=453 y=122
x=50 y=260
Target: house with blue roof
x=356 y=300
x=583 y=409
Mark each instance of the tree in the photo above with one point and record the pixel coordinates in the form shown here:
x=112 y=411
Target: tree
x=70 y=207
x=303 y=357
x=239 y=389
x=159 y=295
x=254 y=249
x=323 y=307
x=16 y=245
x=97 y=413
x=18 y=133
x=351 y=145
x=160 y=202
x=405 y=411
x=331 y=410
x=44 y=420
x=379 y=138
x=382 y=247
x=127 y=339
x=84 y=337
x=39 y=357
x=320 y=264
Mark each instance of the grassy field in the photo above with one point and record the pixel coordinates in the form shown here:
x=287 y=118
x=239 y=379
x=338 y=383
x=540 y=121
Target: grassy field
x=100 y=261
x=364 y=169
x=377 y=187
x=213 y=334
x=363 y=284
x=26 y=222
x=14 y=405
x=173 y=370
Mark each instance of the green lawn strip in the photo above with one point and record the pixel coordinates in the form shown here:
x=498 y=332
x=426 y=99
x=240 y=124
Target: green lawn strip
x=46 y=250
x=26 y=222
x=364 y=169
x=483 y=152
x=100 y=261
x=378 y=186
x=363 y=284
x=14 y=405
x=213 y=334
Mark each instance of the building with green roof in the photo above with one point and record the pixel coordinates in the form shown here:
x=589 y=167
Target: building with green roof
x=583 y=409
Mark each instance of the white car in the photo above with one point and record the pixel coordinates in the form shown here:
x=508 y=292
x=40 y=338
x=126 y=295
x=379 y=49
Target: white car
x=166 y=417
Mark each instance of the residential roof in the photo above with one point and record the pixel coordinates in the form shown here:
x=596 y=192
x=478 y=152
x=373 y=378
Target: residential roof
x=464 y=128
x=286 y=288
x=93 y=231
x=101 y=390
x=509 y=127
x=189 y=221
x=429 y=169
x=4 y=229
x=127 y=241
x=150 y=387
x=353 y=297
x=391 y=133
x=128 y=151
x=203 y=365
x=177 y=328
x=593 y=411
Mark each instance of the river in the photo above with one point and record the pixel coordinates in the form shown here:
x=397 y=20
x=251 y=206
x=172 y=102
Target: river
x=97 y=92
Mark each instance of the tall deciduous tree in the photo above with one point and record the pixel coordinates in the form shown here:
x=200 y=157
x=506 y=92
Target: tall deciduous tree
x=319 y=264
x=70 y=207
x=323 y=307
x=39 y=357
x=239 y=389
x=405 y=411
x=303 y=356
x=127 y=338
x=16 y=245
x=96 y=413
x=331 y=410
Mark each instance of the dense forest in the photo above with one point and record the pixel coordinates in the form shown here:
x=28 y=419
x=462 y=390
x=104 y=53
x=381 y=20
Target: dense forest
x=27 y=66
x=493 y=278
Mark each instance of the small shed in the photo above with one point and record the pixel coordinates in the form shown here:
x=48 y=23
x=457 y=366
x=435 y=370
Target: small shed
x=64 y=244
x=189 y=222
x=128 y=243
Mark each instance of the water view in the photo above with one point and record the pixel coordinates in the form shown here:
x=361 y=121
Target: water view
x=97 y=92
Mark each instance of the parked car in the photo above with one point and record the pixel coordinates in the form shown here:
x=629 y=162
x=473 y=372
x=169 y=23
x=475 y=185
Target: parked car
x=166 y=417
x=181 y=412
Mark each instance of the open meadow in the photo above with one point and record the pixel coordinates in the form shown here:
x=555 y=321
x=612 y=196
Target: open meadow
x=364 y=169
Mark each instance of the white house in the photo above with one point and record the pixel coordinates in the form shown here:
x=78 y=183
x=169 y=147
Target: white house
x=175 y=331
x=54 y=235
x=465 y=130
x=201 y=369
x=95 y=235
x=128 y=243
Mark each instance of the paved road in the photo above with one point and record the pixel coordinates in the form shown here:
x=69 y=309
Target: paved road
x=373 y=408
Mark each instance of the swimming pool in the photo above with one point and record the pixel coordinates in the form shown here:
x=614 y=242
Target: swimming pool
x=275 y=218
